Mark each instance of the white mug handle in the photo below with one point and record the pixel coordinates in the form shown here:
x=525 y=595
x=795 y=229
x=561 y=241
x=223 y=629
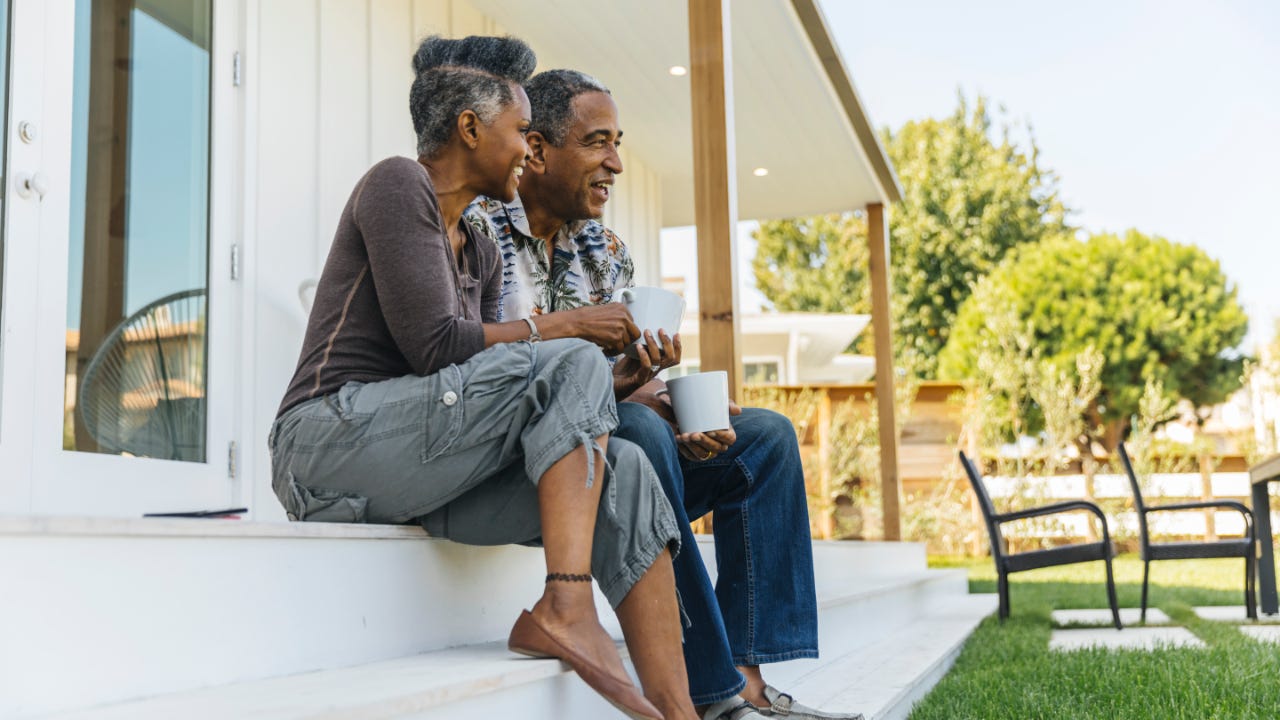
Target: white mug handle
x=627 y=296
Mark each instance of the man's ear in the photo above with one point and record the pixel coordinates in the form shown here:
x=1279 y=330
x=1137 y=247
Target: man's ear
x=537 y=152
x=469 y=128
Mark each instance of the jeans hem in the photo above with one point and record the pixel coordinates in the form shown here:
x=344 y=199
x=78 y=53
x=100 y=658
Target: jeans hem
x=715 y=697
x=758 y=659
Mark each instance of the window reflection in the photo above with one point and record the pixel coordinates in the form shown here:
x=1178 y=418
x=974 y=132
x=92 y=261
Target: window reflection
x=137 y=305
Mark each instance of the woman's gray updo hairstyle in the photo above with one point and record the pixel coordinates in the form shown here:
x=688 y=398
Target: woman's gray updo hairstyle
x=475 y=73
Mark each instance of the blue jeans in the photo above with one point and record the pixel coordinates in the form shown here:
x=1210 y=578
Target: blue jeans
x=763 y=608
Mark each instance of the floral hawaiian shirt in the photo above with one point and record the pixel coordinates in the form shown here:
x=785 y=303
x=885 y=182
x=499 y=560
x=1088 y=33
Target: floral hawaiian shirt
x=590 y=262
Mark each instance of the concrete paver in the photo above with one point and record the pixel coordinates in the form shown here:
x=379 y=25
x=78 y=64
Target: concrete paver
x=1134 y=638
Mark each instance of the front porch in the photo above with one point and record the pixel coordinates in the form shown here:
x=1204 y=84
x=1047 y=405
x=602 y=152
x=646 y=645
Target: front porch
x=110 y=615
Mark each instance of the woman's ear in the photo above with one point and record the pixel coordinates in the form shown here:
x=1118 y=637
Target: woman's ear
x=469 y=128
x=537 y=151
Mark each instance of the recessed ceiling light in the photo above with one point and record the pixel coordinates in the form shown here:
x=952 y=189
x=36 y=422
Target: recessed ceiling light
x=760 y=172
x=679 y=70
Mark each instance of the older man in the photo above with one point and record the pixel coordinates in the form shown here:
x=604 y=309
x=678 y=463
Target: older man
x=558 y=258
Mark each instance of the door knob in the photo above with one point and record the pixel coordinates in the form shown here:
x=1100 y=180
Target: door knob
x=34 y=184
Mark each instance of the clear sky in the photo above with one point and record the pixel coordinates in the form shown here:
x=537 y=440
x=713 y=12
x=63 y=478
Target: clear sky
x=1163 y=116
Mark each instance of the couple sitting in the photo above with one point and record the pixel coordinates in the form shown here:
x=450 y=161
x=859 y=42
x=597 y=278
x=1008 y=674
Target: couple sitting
x=454 y=381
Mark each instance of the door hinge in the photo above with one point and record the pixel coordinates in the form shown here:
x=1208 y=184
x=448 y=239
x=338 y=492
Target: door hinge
x=231 y=459
x=236 y=66
x=235 y=261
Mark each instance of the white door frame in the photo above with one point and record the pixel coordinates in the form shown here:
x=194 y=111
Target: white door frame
x=23 y=235
x=79 y=483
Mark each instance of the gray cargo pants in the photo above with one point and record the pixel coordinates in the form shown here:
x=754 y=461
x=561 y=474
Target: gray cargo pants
x=461 y=451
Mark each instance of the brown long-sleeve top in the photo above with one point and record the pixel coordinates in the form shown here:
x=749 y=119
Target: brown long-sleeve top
x=392 y=300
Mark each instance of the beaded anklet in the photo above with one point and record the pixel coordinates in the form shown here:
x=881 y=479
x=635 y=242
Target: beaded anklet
x=566 y=577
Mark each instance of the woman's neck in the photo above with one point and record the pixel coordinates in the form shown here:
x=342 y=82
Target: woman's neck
x=451 y=190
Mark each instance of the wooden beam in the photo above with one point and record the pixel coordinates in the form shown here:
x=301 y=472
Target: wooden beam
x=102 y=295
x=882 y=321
x=715 y=190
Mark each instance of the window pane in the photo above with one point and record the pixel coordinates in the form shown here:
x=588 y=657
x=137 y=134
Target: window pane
x=137 y=296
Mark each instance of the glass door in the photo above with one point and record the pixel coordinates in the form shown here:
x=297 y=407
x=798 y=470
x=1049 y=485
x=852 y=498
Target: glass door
x=134 y=406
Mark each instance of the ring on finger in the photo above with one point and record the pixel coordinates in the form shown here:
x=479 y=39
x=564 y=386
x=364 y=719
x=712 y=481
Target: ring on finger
x=710 y=454
x=654 y=369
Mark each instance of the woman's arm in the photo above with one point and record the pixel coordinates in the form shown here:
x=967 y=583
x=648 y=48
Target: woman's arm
x=413 y=270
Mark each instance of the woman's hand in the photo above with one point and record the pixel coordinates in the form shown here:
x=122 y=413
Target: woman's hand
x=609 y=325
x=658 y=354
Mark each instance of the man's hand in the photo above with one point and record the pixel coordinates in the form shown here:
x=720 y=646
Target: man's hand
x=609 y=325
x=661 y=404
x=705 y=446
x=658 y=354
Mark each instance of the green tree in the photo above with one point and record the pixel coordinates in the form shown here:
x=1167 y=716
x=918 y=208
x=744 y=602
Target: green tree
x=968 y=199
x=1160 y=314
x=814 y=264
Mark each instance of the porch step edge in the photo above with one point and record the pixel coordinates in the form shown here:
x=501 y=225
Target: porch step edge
x=373 y=691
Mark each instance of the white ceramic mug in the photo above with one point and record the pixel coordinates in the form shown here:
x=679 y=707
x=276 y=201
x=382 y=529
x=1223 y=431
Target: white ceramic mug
x=652 y=309
x=700 y=401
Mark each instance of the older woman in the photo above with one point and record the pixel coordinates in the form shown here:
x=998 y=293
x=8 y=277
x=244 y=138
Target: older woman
x=410 y=403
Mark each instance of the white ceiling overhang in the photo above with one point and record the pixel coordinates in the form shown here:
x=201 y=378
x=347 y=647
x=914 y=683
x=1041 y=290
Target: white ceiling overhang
x=796 y=111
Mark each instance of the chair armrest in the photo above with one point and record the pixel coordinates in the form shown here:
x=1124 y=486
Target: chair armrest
x=1204 y=505
x=1057 y=508
x=1053 y=509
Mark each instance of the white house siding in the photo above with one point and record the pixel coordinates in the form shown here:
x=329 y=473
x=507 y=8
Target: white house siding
x=327 y=84
x=635 y=212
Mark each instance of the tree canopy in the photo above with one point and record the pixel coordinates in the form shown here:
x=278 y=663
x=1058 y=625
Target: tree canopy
x=968 y=199
x=1157 y=311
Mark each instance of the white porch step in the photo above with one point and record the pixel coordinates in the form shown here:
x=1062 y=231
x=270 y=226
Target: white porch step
x=461 y=682
x=883 y=673
x=104 y=612
x=884 y=679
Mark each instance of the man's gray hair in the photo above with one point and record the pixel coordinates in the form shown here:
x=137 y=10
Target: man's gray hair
x=475 y=73
x=551 y=95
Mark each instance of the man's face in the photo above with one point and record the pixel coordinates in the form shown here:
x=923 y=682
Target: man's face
x=578 y=176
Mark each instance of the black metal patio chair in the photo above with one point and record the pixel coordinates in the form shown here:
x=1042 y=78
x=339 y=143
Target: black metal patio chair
x=1008 y=563
x=1242 y=547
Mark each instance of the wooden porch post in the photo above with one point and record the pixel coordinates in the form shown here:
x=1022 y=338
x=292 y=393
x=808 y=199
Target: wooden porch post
x=878 y=244
x=715 y=186
x=102 y=297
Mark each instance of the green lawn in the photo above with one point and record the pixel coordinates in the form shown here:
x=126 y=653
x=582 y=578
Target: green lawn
x=1007 y=671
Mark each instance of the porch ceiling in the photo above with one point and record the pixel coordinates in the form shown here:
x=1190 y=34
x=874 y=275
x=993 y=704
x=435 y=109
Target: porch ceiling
x=796 y=111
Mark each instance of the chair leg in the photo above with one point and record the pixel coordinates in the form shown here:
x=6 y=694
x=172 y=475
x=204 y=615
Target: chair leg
x=1003 y=585
x=1146 y=574
x=1111 y=595
x=1250 y=589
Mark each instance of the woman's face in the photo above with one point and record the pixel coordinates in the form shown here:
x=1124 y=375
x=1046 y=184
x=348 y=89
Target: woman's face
x=503 y=150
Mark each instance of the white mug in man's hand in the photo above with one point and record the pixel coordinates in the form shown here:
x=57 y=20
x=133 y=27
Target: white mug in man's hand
x=700 y=401
x=652 y=309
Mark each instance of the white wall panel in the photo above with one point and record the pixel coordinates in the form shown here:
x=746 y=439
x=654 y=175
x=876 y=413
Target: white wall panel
x=466 y=20
x=431 y=17
x=391 y=44
x=344 y=108
x=634 y=212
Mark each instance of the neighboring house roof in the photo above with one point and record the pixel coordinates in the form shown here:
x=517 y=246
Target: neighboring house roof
x=809 y=346
x=796 y=110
